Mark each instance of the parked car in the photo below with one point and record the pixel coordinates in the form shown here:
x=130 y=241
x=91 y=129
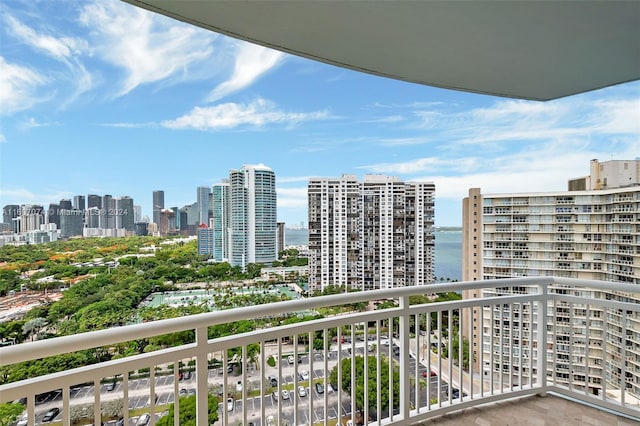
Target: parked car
x=221 y=389
x=187 y=375
x=239 y=386
x=51 y=414
x=302 y=391
x=183 y=392
x=285 y=394
x=273 y=381
x=304 y=375
x=291 y=359
x=111 y=386
x=143 y=420
x=319 y=387
x=230 y=404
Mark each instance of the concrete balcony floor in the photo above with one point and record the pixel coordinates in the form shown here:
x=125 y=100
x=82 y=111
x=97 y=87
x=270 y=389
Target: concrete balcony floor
x=534 y=411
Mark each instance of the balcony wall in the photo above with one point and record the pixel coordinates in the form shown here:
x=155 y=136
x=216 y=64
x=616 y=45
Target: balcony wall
x=580 y=360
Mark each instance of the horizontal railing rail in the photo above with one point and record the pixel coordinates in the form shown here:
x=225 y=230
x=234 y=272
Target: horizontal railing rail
x=410 y=362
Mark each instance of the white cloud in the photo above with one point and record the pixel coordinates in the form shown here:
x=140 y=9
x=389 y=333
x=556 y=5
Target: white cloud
x=3 y=139
x=292 y=197
x=32 y=123
x=421 y=165
x=148 y=47
x=251 y=62
x=291 y=179
x=18 y=87
x=59 y=48
x=405 y=141
x=66 y=50
x=230 y=115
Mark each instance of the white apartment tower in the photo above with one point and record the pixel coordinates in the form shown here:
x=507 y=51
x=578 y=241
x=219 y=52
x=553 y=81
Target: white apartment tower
x=253 y=215
x=373 y=234
x=591 y=231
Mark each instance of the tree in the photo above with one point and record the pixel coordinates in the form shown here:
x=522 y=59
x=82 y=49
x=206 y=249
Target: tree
x=187 y=415
x=33 y=326
x=112 y=409
x=372 y=377
x=9 y=413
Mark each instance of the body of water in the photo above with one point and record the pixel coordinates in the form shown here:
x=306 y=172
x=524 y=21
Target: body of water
x=448 y=250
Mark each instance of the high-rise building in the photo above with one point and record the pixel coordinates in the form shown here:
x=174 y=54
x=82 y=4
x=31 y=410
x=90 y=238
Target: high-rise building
x=94 y=201
x=79 y=202
x=71 y=222
x=53 y=214
x=167 y=222
x=92 y=217
x=137 y=214
x=141 y=228
x=124 y=213
x=10 y=215
x=65 y=204
x=372 y=234
x=253 y=211
x=280 y=237
x=587 y=233
x=157 y=205
x=192 y=218
x=176 y=212
x=31 y=217
x=205 y=241
x=107 y=218
x=203 y=200
x=219 y=223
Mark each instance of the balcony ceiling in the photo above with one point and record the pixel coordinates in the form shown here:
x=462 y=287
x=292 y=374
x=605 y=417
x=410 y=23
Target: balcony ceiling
x=521 y=49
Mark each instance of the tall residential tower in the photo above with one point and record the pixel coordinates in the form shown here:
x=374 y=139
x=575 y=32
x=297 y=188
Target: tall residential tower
x=590 y=232
x=372 y=234
x=253 y=215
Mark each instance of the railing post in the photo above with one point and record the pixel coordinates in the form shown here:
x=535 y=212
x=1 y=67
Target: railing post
x=405 y=385
x=202 y=377
x=543 y=292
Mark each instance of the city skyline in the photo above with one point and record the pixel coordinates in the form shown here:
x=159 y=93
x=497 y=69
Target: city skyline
x=91 y=112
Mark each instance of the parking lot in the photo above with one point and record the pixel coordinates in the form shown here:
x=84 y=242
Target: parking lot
x=274 y=405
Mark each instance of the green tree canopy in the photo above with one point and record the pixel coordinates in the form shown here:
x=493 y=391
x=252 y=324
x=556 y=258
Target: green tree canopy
x=188 y=412
x=372 y=377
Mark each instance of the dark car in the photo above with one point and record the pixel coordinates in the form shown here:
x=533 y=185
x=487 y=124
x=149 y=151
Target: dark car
x=273 y=381
x=319 y=387
x=51 y=414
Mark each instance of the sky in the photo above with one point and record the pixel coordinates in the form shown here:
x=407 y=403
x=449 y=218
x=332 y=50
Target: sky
x=101 y=97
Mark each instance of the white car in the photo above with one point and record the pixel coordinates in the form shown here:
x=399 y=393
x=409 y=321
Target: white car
x=291 y=359
x=285 y=394
x=239 y=386
x=143 y=420
x=302 y=391
x=230 y=404
x=304 y=375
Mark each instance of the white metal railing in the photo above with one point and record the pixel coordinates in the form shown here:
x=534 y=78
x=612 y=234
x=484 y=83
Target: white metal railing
x=508 y=328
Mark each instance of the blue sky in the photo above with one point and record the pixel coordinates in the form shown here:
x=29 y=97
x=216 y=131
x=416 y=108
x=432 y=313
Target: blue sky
x=102 y=97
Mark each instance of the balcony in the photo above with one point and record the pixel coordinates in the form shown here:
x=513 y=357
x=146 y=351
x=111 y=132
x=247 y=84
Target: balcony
x=412 y=359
